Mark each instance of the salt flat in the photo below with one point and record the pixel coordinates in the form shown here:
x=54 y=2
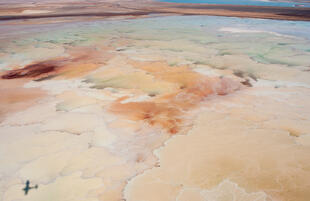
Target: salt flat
x=161 y=108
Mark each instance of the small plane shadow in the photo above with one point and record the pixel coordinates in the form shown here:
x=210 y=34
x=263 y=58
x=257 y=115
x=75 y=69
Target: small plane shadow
x=28 y=187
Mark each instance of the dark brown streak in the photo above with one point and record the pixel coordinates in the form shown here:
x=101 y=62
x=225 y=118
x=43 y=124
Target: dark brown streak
x=31 y=71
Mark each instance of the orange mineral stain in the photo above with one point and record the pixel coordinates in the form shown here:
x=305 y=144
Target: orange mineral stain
x=155 y=114
x=168 y=110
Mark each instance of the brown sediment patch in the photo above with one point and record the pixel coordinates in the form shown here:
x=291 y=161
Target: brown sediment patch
x=238 y=73
x=242 y=74
x=50 y=69
x=33 y=70
x=246 y=82
x=168 y=110
x=77 y=65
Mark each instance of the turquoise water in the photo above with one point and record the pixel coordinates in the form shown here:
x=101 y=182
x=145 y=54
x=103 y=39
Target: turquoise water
x=241 y=2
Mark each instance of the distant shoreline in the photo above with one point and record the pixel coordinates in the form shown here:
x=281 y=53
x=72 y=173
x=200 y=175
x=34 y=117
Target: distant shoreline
x=136 y=9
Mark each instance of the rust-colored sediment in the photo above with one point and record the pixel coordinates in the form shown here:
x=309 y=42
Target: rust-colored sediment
x=168 y=110
x=33 y=70
x=151 y=112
